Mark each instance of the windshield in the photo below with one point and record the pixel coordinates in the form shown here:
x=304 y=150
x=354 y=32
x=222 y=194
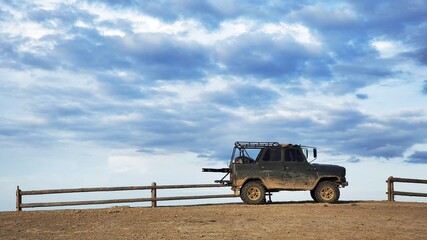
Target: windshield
x=244 y=155
x=309 y=152
x=253 y=153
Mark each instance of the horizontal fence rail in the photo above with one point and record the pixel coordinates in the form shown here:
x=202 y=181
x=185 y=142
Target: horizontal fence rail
x=154 y=199
x=391 y=192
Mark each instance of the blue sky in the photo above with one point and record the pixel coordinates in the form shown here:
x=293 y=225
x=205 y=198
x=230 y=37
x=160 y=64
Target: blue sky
x=111 y=93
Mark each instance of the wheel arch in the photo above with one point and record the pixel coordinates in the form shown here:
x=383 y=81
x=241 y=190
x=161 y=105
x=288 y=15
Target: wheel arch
x=254 y=179
x=326 y=178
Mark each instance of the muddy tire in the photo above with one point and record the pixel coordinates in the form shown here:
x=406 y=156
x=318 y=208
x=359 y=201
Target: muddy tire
x=253 y=193
x=327 y=192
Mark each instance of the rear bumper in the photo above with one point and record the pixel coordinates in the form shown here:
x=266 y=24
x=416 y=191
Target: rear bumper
x=344 y=184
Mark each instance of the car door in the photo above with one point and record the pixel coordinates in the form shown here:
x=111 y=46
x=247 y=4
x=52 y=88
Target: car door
x=297 y=171
x=271 y=166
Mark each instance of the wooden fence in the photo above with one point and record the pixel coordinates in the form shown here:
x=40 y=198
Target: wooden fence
x=153 y=199
x=391 y=192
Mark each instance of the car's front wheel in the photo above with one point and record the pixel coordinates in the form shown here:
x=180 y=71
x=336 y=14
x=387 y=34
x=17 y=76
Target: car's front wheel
x=327 y=192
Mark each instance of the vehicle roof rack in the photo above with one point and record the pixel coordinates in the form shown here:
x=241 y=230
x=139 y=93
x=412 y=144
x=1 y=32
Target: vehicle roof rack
x=255 y=145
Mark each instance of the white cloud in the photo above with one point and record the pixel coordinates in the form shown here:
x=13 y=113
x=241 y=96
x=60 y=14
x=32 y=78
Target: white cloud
x=31 y=120
x=156 y=159
x=388 y=49
x=111 y=32
x=164 y=166
x=405 y=97
x=184 y=92
x=126 y=163
x=140 y=22
x=188 y=29
x=227 y=29
x=121 y=118
x=299 y=32
x=53 y=4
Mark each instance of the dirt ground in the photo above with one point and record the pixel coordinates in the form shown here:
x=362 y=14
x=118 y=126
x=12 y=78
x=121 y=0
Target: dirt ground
x=300 y=220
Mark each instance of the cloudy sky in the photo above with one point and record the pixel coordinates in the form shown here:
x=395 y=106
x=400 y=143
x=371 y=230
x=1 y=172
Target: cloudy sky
x=117 y=93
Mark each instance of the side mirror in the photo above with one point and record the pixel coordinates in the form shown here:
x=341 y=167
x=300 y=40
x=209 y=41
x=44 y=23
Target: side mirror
x=315 y=152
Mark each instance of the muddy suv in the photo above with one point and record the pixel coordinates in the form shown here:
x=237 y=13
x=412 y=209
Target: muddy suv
x=278 y=167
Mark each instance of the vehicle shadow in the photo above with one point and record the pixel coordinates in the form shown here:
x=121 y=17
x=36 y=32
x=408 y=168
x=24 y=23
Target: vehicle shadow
x=268 y=203
x=309 y=202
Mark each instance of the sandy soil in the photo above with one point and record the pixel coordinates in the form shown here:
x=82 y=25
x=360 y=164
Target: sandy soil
x=301 y=220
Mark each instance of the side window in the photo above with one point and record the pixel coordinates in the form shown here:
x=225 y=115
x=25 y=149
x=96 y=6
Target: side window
x=272 y=155
x=298 y=156
x=289 y=156
x=293 y=155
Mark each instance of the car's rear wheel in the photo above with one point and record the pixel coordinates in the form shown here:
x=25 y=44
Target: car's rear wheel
x=327 y=192
x=253 y=193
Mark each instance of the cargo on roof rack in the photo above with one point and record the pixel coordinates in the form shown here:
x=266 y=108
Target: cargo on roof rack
x=255 y=145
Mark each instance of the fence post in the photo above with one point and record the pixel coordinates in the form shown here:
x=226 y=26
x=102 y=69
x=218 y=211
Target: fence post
x=390 y=188
x=153 y=194
x=18 y=199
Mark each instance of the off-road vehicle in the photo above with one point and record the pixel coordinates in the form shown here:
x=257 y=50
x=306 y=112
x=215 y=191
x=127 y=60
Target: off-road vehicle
x=278 y=167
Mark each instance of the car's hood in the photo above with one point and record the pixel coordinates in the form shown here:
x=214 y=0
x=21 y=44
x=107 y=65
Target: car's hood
x=329 y=169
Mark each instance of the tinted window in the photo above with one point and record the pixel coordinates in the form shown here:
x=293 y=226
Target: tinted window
x=272 y=155
x=293 y=155
x=298 y=156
